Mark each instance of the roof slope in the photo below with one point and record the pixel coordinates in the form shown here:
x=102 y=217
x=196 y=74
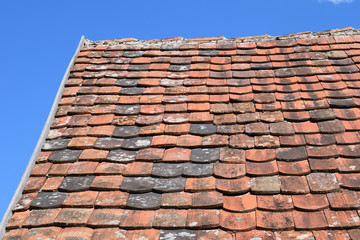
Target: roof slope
x=252 y=138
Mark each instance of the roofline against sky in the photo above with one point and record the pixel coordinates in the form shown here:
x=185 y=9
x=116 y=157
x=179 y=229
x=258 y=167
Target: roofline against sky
x=180 y=40
x=37 y=150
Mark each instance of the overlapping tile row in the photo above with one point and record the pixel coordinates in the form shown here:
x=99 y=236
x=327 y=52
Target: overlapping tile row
x=202 y=140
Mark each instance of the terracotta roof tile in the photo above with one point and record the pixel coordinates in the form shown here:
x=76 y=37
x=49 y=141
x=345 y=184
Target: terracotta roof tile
x=207 y=138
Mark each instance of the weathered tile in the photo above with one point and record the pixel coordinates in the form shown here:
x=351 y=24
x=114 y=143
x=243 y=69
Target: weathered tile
x=310 y=202
x=265 y=185
x=138 y=184
x=137 y=142
x=73 y=216
x=322 y=115
x=240 y=203
x=106 y=183
x=198 y=170
x=241 y=141
x=205 y=155
x=176 y=199
x=126 y=131
x=143 y=234
x=108 y=143
x=121 y=156
x=232 y=155
x=169 y=184
x=43 y=217
x=56 y=144
x=34 y=184
x=166 y=170
x=274 y=220
x=76 y=183
x=24 y=202
x=15 y=234
x=131 y=90
x=82 y=168
x=170 y=218
x=282 y=128
x=333 y=126
x=254 y=234
x=81 y=233
x=230 y=221
x=208 y=199
x=233 y=186
x=181 y=234
x=344 y=199
x=106 y=217
x=48 y=200
x=127 y=82
x=64 y=156
x=111 y=199
x=202 y=129
x=291 y=154
x=322 y=182
x=294 y=185
x=43 y=233
x=309 y=220
x=226 y=170
x=138 y=218
x=127 y=109
x=144 y=201
x=80 y=199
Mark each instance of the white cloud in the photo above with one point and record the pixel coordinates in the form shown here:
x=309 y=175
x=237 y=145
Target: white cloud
x=337 y=1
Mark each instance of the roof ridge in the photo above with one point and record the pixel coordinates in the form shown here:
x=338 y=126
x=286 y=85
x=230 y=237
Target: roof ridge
x=266 y=37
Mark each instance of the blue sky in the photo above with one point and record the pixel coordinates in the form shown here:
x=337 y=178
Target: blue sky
x=38 y=39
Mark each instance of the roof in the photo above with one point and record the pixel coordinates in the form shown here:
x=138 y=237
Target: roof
x=214 y=138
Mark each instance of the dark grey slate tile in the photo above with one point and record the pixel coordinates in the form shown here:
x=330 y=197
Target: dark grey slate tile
x=56 y=144
x=169 y=184
x=138 y=184
x=121 y=156
x=137 y=142
x=138 y=67
x=132 y=90
x=48 y=200
x=178 y=234
x=166 y=82
x=133 y=54
x=169 y=47
x=76 y=183
x=179 y=68
x=167 y=169
x=65 y=156
x=208 y=52
x=127 y=82
x=322 y=114
x=202 y=129
x=205 y=155
x=127 y=109
x=291 y=154
x=346 y=103
x=126 y=131
x=144 y=201
x=198 y=169
x=333 y=126
x=108 y=143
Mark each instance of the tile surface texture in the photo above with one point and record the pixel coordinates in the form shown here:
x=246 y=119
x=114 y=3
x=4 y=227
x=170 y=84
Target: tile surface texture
x=214 y=138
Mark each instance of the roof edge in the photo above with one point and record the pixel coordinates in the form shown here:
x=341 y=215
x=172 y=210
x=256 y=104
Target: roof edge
x=178 y=40
x=37 y=150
